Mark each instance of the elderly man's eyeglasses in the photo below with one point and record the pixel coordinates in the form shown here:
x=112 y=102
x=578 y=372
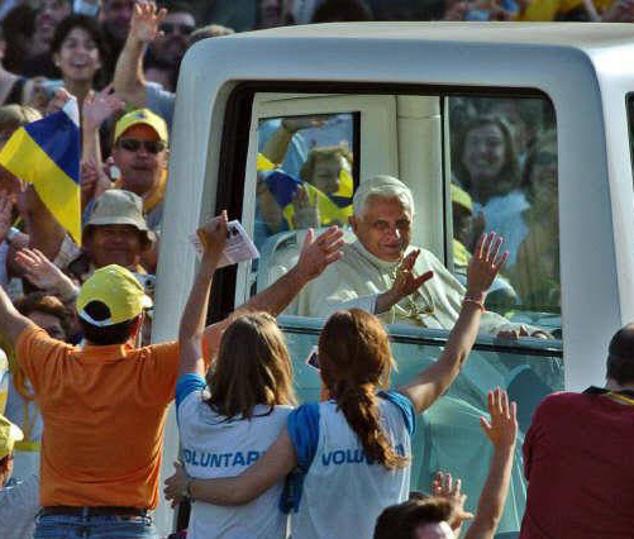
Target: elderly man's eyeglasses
x=134 y=145
x=171 y=28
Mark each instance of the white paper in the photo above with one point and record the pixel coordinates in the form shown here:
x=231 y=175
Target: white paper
x=239 y=246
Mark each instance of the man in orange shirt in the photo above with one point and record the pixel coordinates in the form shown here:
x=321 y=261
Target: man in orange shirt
x=104 y=403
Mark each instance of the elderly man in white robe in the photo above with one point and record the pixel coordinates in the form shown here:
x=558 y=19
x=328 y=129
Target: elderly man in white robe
x=382 y=273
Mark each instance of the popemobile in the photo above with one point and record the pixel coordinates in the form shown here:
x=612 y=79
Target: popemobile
x=519 y=128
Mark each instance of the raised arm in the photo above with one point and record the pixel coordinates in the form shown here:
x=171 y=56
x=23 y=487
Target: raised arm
x=432 y=382
x=277 y=145
x=129 y=81
x=96 y=108
x=213 y=236
x=273 y=466
x=502 y=432
x=41 y=272
x=12 y=323
x=316 y=256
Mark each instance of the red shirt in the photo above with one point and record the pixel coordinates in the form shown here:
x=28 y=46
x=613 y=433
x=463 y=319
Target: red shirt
x=579 y=462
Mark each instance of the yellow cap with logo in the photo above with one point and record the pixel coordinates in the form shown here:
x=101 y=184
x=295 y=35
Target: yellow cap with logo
x=119 y=290
x=141 y=117
x=9 y=434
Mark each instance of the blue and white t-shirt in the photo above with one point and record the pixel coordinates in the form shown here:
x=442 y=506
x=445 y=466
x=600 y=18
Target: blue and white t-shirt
x=343 y=493
x=213 y=447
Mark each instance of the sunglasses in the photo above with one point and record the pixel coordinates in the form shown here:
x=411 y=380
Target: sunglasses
x=134 y=145
x=170 y=28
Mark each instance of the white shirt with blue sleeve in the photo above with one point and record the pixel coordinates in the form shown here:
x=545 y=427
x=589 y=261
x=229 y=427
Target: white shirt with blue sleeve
x=343 y=492
x=213 y=446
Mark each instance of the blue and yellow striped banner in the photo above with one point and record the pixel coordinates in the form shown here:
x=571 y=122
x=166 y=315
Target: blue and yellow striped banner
x=46 y=153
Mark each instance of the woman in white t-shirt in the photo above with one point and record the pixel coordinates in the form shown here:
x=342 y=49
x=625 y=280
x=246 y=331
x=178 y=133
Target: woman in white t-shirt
x=250 y=395
x=351 y=454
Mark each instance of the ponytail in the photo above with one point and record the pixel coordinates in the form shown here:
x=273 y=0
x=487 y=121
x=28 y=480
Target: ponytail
x=359 y=406
x=355 y=358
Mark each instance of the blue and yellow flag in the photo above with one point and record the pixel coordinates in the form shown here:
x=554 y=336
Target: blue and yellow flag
x=46 y=153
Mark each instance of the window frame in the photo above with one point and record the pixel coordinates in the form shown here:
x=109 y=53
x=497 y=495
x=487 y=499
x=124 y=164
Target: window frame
x=233 y=163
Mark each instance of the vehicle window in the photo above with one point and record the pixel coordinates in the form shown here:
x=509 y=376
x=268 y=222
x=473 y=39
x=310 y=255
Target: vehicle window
x=466 y=164
x=305 y=174
x=504 y=178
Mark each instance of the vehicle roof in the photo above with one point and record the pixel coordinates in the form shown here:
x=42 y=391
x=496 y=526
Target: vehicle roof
x=580 y=35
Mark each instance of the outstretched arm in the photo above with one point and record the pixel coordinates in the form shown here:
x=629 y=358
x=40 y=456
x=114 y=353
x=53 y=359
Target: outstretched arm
x=432 y=382
x=129 y=82
x=213 y=236
x=316 y=256
x=96 y=109
x=502 y=432
x=277 y=145
x=273 y=466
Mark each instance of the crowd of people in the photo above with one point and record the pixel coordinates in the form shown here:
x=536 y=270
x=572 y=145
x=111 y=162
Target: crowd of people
x=75 y=321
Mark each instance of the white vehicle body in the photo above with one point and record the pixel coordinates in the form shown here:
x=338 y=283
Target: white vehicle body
x=585 y=71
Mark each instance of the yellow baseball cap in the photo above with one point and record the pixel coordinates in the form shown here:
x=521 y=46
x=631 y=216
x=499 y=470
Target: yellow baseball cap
x=119 y=290
x=9 y=434
x=144 y=117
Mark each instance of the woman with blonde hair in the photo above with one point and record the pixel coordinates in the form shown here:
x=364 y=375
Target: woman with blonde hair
x=225 y=428
x=357 y=444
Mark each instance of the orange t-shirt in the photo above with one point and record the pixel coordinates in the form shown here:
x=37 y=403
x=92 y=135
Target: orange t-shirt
x=104 y=412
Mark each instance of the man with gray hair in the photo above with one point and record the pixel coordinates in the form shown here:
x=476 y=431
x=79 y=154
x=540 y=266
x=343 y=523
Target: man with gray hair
x=383 y=274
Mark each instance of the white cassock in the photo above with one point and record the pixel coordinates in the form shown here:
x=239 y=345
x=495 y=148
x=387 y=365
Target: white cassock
x=359 y=277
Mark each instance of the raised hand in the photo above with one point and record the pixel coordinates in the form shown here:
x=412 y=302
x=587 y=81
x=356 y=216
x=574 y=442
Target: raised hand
x=41 y=272
x=93 y=181
x=213 y=237
x=444 y=486
x=501 y=429
x=484 y=265
x=406 y=281
x=306 y=213
x=318 y=254
x=99 y=106
x=145 y=22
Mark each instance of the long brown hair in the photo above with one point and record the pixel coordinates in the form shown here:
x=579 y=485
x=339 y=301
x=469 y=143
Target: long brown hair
x=355 y=358
x=253 y=367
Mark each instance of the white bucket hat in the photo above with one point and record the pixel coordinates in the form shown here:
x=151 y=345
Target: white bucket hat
x=119 y=207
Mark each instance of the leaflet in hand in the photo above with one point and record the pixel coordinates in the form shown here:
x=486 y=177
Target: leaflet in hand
x=239 y=246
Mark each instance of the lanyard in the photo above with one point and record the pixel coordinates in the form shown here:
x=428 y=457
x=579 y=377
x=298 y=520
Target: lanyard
x=620 y=398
